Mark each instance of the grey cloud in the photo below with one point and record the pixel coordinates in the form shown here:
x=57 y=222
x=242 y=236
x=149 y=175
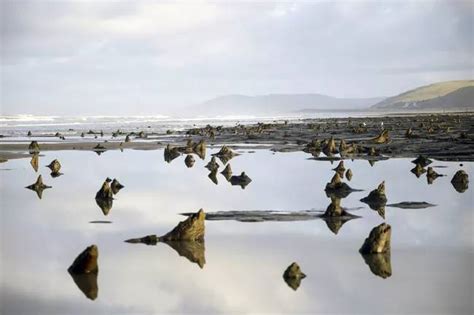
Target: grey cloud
x=162 y=55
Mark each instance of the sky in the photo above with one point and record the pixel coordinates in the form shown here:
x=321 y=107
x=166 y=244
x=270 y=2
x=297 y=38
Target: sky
x=154 y=57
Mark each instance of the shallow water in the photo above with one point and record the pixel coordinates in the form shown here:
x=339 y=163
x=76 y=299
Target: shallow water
x=431 y=257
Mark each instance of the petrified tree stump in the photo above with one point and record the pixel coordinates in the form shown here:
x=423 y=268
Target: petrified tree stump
x=115 y=186
x=293 y=276
x=189 y=161
x=329 y=148
x=171 y=153
x=84 y=271
x=34 y=147
x=242 y=180
x=379 y=264
x=213 y=176
x=191 y=229
x=376 y=196
x=54 y=166
x=38 y=187
x=336 y=188
x=35 y=161
x=460 y=181
x=340 y=169
x=383 y=137
x=227 y=172
x=422 y=160
x=200 y=149
x=349 y=174
x=212 y=165
x=105 y=191
x=378 y=240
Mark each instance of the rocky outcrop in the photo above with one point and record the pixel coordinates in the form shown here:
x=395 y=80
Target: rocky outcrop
x=383 y=137
x=34 y=147
x=38 y=187
x=189 y=161
x=293 y=276
x=242 y=180
x=115 y=186
x=378 y=240
x=84 y=271
x=460 y=181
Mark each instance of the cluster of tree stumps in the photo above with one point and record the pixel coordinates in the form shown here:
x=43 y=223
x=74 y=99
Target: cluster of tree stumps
x=187 y=238
x=54 y=166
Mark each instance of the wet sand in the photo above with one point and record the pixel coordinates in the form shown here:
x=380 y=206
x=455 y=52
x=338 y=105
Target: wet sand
x=448 y=137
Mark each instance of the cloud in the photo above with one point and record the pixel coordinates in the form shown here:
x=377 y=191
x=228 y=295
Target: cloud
x=103 y=56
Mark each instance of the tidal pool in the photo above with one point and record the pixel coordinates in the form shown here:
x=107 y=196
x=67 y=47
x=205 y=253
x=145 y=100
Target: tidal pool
x=239 y=268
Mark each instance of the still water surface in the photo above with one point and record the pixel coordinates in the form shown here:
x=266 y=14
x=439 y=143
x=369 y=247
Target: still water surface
x=431 y=256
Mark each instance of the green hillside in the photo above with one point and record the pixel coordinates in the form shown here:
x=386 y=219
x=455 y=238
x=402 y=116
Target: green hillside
x=443 y=95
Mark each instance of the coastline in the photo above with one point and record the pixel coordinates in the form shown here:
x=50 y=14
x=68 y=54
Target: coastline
x=443 y=136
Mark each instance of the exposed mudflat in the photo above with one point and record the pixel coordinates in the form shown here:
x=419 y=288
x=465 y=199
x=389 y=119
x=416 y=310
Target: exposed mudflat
x=269 y=215
x=448 y=137
x=411 y=205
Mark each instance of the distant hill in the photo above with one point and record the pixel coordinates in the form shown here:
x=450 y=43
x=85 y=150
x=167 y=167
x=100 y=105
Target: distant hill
x=280 y=104
x=450 y=95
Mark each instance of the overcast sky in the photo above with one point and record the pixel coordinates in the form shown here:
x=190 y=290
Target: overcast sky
x=139 y=57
